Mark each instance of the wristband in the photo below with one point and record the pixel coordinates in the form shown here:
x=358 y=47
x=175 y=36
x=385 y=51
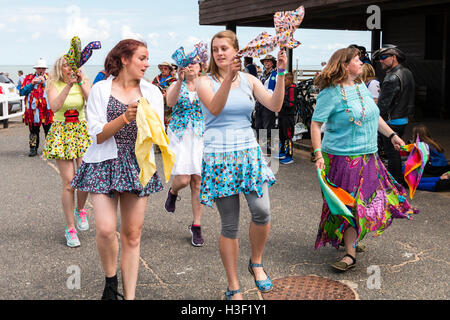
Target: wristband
x=392 y=135
x=318 y=149
x=285 y=72
x=80 y=83
x=279 y=70
x=125 y=118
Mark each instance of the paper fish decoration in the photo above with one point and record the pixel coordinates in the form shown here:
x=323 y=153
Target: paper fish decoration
x=415 y=164
x=199 y=54
x=338 y=200
x=286 y=22
x=75 y=57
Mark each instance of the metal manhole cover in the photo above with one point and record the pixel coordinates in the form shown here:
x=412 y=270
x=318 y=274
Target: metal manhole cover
x=309 y=288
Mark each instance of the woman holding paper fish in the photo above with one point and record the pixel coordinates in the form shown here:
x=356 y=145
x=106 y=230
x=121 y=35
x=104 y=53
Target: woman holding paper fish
x=232 y=159
x=110 y=169
x=366 y=198
x=185 y=132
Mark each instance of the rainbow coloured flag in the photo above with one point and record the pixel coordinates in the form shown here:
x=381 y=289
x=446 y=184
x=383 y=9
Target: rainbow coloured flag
x=415 y=164
x=339 y=201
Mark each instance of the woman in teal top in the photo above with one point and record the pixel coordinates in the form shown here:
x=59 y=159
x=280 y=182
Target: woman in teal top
x=348 y=154
x=68 y=140
x=232 y=159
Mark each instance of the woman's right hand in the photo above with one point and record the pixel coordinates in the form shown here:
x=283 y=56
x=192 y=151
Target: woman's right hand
x=234 y=67
x=320 y=163
x=181 y=73
x=130 y=114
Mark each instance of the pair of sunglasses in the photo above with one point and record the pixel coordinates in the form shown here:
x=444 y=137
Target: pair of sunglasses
x=385 y=56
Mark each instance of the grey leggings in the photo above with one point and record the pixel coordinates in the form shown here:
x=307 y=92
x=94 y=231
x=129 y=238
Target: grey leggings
x=229 y=211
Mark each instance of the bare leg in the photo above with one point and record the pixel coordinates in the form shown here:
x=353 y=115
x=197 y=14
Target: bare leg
x=179 y=182
x=132 y=210
x=258 y=237
x=195 y=198
x=229 y=251
x=105 y=213
x=349 y=239
x=67 y=172
x=81 y=195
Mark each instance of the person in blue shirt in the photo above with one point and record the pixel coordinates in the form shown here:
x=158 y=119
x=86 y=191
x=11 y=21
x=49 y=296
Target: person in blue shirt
x=265 y=119
x=100 y=76
x=348 y=155
x=232 y=159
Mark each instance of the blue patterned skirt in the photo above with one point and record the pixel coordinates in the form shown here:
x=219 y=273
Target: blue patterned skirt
x=228 y=173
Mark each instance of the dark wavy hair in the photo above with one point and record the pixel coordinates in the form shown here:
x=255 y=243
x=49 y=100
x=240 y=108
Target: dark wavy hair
x=335 y=72
x=124 y=49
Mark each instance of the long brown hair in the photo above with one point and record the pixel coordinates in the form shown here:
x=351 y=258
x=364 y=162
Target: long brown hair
x=124 y=49
x=335 y=72
x=213 y=69
x=425 y=136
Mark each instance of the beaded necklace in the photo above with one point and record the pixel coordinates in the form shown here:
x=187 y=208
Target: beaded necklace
x=347 y=108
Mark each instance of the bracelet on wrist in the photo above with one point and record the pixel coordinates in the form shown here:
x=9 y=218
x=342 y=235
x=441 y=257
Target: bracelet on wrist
x=125 y=118
x=285 y=72
x=392 y=135
x=318 y=149
x=80 y=83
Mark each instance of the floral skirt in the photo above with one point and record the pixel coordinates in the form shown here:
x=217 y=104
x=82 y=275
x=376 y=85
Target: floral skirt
x=120 y=174
x=228 y=173
x=381 y=199
x=67 y=140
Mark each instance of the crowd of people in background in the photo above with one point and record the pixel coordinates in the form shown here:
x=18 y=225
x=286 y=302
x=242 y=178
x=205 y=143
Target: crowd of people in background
x=91 y=131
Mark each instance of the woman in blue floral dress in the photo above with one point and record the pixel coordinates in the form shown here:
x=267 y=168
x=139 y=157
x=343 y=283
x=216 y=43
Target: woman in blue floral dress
x=232 y=159
x=185 y=133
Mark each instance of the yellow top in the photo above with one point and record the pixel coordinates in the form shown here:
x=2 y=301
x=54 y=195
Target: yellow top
x=74 y=101
x=151 y=130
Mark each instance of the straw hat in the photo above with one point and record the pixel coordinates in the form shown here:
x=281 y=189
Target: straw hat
x=269 y=57
x=41 y=64
x=167 y=64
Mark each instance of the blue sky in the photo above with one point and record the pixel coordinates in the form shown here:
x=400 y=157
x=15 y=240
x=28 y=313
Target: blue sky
x=33 y=29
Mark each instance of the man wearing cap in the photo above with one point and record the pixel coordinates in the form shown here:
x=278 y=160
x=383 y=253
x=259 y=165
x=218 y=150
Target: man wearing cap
x=396 y=101
x=264 y=118
x=163 y=82
x=37 y=109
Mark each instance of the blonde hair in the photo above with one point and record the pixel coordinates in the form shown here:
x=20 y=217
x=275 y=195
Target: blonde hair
x=56 y=73
x=213 y=69
x=368 y=73
x=335 y=72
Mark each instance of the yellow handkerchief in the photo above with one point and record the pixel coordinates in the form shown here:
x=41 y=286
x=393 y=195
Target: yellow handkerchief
x=151 y=131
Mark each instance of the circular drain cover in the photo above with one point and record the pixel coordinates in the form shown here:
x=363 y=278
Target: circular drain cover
x=309 y=288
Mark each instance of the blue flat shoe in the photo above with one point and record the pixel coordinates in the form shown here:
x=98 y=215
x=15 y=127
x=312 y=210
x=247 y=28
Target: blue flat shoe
x=262 y=285
x=229 y=294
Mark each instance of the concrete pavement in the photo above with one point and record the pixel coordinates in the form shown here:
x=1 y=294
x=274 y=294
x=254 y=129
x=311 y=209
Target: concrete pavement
x=412 y=258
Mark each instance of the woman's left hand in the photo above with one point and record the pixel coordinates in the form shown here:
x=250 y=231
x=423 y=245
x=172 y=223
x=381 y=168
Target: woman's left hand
x=79 y=75
x=397 y=142
x=282 y=59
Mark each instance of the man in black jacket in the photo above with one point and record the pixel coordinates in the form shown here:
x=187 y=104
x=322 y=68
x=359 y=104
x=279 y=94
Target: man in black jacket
x=396 y=101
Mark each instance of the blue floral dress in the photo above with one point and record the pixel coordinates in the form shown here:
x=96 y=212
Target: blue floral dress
x=122 y=173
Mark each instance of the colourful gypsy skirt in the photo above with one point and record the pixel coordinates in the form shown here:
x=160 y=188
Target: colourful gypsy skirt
x=380 y=199
x=228 y=173
x=67 y=140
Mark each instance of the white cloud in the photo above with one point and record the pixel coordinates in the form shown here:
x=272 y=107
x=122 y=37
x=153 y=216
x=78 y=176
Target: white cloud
x=36 y=35
x=172 y=35
x=79 y=26
x=128 y=34
x=2 y=25
x=153 y=39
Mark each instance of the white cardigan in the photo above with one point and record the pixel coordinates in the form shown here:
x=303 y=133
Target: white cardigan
x=96 y=107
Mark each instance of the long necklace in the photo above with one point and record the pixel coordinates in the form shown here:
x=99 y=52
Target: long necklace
x=347 y=109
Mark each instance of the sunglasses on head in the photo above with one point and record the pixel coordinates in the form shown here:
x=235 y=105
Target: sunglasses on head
x=385 y=56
